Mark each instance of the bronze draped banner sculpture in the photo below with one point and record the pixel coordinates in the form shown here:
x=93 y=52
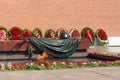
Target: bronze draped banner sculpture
x=56 y=48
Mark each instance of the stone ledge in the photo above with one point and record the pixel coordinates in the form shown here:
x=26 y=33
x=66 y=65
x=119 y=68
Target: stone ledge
x=20 y=45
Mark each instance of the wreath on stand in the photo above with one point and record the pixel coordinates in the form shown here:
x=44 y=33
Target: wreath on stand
x=89 y=34
x=50 y=33
x=15 y=33
x=74 y=33
x=37 y=33
x=26 y=33
x=3 y=33
x=102 y=37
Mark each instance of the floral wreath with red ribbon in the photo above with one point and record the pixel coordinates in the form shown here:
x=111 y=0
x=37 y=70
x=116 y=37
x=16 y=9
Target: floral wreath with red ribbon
x=102 y=37
x=89 y=34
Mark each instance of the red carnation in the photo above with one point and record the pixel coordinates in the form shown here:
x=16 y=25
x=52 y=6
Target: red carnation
x=15 y=38
x=26 y=34
x=15 y=31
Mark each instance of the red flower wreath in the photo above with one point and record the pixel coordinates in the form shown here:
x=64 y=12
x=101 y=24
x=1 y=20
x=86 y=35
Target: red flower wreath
x=27 y=33
x=74 y=33
x=102 y=37
x=15 y=31
x=101 y=34
x=17 y=37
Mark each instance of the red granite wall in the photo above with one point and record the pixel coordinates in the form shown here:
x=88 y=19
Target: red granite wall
x=62 y=13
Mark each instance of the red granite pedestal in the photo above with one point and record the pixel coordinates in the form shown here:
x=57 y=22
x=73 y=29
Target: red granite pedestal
x=19 y=46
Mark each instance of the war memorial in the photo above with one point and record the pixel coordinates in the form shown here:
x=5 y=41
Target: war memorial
x=41 y=34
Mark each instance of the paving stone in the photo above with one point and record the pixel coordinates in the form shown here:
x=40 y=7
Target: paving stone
x=103 y=73
x=112 y=72
x=79 y=74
